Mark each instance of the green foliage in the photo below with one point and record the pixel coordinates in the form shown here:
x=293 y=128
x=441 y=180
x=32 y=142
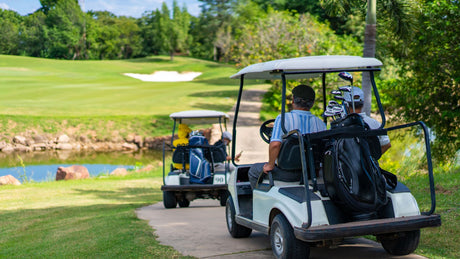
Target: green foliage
x=111 y=37
x=165 y=32
x=282 y=35
x=10 y=22
x=429 y=86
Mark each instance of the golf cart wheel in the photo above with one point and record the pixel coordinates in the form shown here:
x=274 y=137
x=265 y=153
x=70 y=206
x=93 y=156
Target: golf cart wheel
x=169 y=200
x=234 y=228
x=283 y=242
x=223 y=197
x=401 y=243
x=184 y=203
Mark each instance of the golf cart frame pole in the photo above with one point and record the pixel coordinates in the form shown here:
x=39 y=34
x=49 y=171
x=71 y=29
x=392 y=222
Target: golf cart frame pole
x=235 y=118
x=428 y=160
x=283 y=101
x=324 y=96
x=377 y=98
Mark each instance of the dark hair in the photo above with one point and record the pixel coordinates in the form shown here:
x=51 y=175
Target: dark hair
x=302 y=103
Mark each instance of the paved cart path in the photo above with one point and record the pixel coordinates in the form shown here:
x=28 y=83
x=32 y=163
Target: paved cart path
x=201 y=230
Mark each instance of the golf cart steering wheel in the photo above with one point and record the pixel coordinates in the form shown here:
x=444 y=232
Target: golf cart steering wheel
x=266 y=131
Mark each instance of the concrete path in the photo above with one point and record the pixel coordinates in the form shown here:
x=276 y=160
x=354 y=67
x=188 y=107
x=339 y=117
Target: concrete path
x=201 y=229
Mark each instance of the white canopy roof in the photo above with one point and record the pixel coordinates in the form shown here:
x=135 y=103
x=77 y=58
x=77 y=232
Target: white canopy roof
x=199 y=116
x=268 y=70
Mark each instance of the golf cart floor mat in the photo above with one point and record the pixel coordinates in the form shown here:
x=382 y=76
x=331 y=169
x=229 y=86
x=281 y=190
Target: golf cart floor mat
x=245 y=203
x=297 y=193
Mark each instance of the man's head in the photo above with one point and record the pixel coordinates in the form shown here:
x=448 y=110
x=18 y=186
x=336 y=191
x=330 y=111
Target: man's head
x=227 y=137
x=303 y=97
x=358 y=98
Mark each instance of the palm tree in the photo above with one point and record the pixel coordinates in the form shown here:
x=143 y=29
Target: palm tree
x=396 y=12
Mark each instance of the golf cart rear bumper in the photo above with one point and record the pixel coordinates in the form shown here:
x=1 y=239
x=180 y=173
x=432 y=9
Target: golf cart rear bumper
x=194 y=187
x=369 y=227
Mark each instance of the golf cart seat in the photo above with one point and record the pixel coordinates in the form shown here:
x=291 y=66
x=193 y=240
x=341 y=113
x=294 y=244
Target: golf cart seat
x=181 y=156
x=289 y=160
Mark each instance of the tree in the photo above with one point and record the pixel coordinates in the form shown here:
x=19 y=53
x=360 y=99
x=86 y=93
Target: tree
x=10 y=22
x=112 y=37
x=429 y=88
x=64 y=21
x=398 y=22
x=216 y=16
x=33 y=34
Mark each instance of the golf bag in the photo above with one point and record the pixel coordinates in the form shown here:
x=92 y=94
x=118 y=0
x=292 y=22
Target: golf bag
x=200 y=169
x=352 y=176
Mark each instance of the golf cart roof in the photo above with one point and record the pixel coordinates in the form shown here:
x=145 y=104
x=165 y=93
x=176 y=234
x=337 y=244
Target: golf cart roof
x=272 y=69
x=199 y=116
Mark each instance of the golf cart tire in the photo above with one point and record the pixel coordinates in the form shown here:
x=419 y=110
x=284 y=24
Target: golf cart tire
x=283 y=241
x=235 y=230
x=169 y=200
x=223 y=197
x=401 y=243
x=184 y=203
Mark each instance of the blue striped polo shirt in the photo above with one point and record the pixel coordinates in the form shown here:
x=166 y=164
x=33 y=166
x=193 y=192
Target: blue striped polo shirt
x=297 y=119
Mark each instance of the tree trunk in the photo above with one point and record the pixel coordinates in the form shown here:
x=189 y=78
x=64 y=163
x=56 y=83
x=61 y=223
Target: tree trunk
x=370 y=39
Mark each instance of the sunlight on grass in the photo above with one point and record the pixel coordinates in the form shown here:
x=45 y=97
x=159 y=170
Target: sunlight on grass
x=81 y=218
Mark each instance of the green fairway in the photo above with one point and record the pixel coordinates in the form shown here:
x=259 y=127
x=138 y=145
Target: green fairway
x=46 y=87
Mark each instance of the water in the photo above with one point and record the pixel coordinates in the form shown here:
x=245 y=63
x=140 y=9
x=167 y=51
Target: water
x=42 y=166
x=39 y=173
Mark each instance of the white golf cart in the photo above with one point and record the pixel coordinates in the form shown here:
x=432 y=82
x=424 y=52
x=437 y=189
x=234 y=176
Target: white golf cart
x=297 y=215
x=198 y=170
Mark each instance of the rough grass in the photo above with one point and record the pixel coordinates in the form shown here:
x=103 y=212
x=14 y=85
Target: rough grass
x=93 y=218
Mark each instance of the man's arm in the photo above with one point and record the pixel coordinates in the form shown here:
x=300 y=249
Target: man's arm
x=273 y=152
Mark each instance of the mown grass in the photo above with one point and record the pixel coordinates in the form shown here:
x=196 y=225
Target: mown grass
x=95 y=99
x=93 y=218
x=44 y=87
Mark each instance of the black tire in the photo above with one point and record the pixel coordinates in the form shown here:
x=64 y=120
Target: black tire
x=283 y=242
x=236 y=230
x=223 y=197
x=402 y=243
x=169 y=200
x=184 y=203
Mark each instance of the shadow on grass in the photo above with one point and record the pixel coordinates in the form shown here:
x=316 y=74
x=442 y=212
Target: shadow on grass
x=223 y=94
x=149 y=60
x=216 y=107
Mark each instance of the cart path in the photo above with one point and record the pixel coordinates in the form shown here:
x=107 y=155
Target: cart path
x=247 y=138
x=201 y=231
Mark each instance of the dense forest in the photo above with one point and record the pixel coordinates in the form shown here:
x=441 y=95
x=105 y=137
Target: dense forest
x=418 y=41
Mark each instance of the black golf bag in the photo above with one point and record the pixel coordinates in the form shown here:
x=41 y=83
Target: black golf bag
x=352 y=176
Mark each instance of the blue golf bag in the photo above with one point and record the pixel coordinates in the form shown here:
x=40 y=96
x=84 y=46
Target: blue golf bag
x=200 y=169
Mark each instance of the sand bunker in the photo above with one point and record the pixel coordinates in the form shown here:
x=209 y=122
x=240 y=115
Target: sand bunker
x=165 y=76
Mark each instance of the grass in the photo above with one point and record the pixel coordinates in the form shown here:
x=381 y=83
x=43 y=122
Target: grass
x=440 y=242
x=95 y=99
x=44 y=87
x=81 y=219
x=96 y=218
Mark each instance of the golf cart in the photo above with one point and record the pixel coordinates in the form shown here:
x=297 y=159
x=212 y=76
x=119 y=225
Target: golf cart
x=198 y=170
x=333 y=200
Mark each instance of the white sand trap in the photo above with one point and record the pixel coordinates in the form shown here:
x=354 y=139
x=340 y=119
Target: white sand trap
x=165 y=76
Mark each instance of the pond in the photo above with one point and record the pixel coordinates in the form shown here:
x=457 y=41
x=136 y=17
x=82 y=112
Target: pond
x=42 y=166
